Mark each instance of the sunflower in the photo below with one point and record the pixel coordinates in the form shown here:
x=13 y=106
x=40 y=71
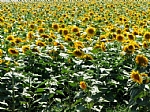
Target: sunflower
x=131 y=37
x=1 y=52
x=32 y=26
x=44 y=35
x=83 y=85
x=97 y=46
x=25 y=48
x=141 y=60
x=87 y=57
x=68 y=38
x=136 y=77
x=13 y=51
x=10 y=37
x=34 y=49
x=146 y=35
x=102 y=38
x=78 y=45
x=85 y=19
x=120 y=38
x=75 y=29
x=78 y=53
x=103 y=47
x=118 y=31
x=91 y=31
x=65 y=31
x=41 y=30
x=40 y=43
x=145 y=77
x=55 y=26
x=1 y=19
x=30 y=35
x=17 y=40
x=131 y=47
x=145 y=44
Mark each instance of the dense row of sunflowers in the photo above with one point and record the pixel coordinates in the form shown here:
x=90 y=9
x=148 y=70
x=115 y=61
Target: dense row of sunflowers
x=81 y=30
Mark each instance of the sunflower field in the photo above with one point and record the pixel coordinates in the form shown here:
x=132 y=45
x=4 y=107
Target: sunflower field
x=74 y=55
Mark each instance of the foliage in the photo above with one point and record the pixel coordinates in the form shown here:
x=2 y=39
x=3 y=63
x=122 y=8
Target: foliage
x=86 y=56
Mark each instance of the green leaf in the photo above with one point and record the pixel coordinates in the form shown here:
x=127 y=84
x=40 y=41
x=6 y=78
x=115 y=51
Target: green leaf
x=40 y=90
x=60 y=92
x=81 y=108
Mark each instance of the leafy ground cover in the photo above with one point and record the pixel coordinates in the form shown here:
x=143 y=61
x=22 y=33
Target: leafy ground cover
x=74 y=56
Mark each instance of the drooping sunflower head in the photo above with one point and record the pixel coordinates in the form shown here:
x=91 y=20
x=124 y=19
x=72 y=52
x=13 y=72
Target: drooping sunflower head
x=10 y=37
x=78 y=53
x=87 y=57
x=30 y=35
x=145 y=44
x=68 y=38
x=40 y=43
x=120 y=38
x=141 y=60
x=83 y=85
x=44 y=36
x=136 y=77
x=78 y=45
x=31 y=26
x=103 y=46
x=25 y=48
x=13 y=51
x=102 y=38
x=91 y=31
x=17 y=40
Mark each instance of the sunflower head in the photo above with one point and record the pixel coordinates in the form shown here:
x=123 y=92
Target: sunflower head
x=118 y=31
x=75 y=29
x=131 y=47
x=17 y=40
x=31 y=26
x=147 y=36
x=131 y=37
x=141 y=60
x=78 y=45
x=44 y=35
x=65 y=31
x=78 y=53
x=83 y=85
x=10 y=37
x=91 y=31
x=87 y=57
x=40 y=43
x=25 y=48
x=145 y=44
x=55 y=26
x=13 y=51
x=136 y=77
x=103 y=47
x=120 y=38
x=41 y=30
x=30 y=35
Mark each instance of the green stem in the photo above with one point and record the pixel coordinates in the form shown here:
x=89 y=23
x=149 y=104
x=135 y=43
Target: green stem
x=13 y=92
